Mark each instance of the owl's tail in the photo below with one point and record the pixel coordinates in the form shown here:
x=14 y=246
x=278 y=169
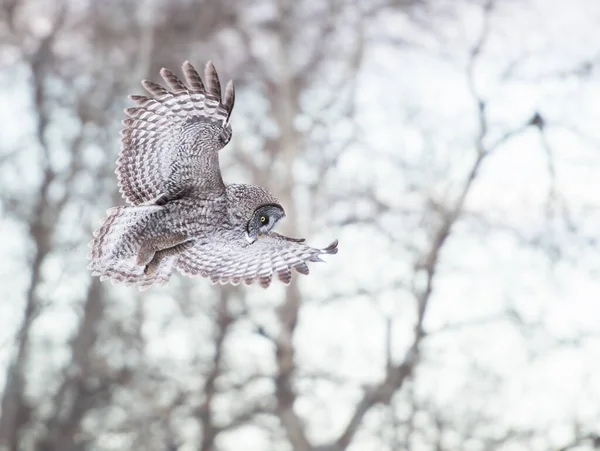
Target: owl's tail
x=115 y=247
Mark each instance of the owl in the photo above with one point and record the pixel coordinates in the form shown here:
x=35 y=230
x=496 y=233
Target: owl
x=180 y=214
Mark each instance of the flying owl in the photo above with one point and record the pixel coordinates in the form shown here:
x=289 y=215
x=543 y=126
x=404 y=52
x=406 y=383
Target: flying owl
x=180 y=213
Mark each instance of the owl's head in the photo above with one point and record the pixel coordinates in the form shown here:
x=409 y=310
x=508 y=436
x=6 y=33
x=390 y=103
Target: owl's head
x=263 y=220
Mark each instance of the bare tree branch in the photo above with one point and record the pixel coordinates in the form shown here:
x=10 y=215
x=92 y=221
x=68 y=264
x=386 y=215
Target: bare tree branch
x=204 y=411
x=284 y=390
x=14 y=411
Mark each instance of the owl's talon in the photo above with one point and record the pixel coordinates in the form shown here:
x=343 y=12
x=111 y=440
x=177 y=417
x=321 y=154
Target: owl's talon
x=150 y=270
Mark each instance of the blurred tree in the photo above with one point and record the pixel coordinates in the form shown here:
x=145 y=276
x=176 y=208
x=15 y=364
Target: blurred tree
x=93 y=367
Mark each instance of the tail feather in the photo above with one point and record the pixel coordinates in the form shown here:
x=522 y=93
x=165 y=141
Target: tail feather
x=115 y=247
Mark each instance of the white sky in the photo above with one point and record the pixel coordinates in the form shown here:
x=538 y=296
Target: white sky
x=416 y=101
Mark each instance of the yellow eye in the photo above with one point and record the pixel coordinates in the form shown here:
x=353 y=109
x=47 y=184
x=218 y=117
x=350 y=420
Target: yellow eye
x=263 y=219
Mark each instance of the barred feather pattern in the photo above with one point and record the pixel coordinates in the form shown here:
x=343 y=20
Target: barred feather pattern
x=115 y=246
x=171 y=140
x=218 y=247
x=238 y=261
x=180 y=213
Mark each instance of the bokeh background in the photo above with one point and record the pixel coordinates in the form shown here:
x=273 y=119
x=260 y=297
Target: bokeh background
x=453 y=147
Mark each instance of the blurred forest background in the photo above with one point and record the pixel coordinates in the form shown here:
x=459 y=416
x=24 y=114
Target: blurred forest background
x=452 y=146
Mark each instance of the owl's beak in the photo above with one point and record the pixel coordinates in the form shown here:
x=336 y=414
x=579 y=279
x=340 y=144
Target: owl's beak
x=249 y=238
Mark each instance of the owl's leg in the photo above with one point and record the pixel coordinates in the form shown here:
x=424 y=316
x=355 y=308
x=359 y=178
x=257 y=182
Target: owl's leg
x=152 y=266
x=154 y=250
x=145 y=254
x=153 y=245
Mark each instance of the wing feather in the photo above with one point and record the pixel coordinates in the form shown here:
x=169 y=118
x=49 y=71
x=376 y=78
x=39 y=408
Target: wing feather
x=193 y=78
x=154 y=88
x=171 y=139
x=114 y=249
x=238 y=261
x=213 y=85
x=229 y=99
x=302 y=268
x=172 y=81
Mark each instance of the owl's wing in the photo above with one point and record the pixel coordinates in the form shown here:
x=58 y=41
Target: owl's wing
x=171 y=140
x=235 y=262
x=115 y=245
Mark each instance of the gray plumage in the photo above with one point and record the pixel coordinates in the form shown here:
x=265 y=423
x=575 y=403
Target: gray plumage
x=180 y=213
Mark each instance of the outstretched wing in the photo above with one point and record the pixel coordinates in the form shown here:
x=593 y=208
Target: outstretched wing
x=171 y=140
x=236 y=262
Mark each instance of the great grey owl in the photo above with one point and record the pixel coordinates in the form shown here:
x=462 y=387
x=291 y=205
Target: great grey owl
x=181 y=214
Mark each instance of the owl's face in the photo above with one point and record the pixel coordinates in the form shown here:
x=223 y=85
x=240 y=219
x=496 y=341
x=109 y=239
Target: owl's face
x=263 y=220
